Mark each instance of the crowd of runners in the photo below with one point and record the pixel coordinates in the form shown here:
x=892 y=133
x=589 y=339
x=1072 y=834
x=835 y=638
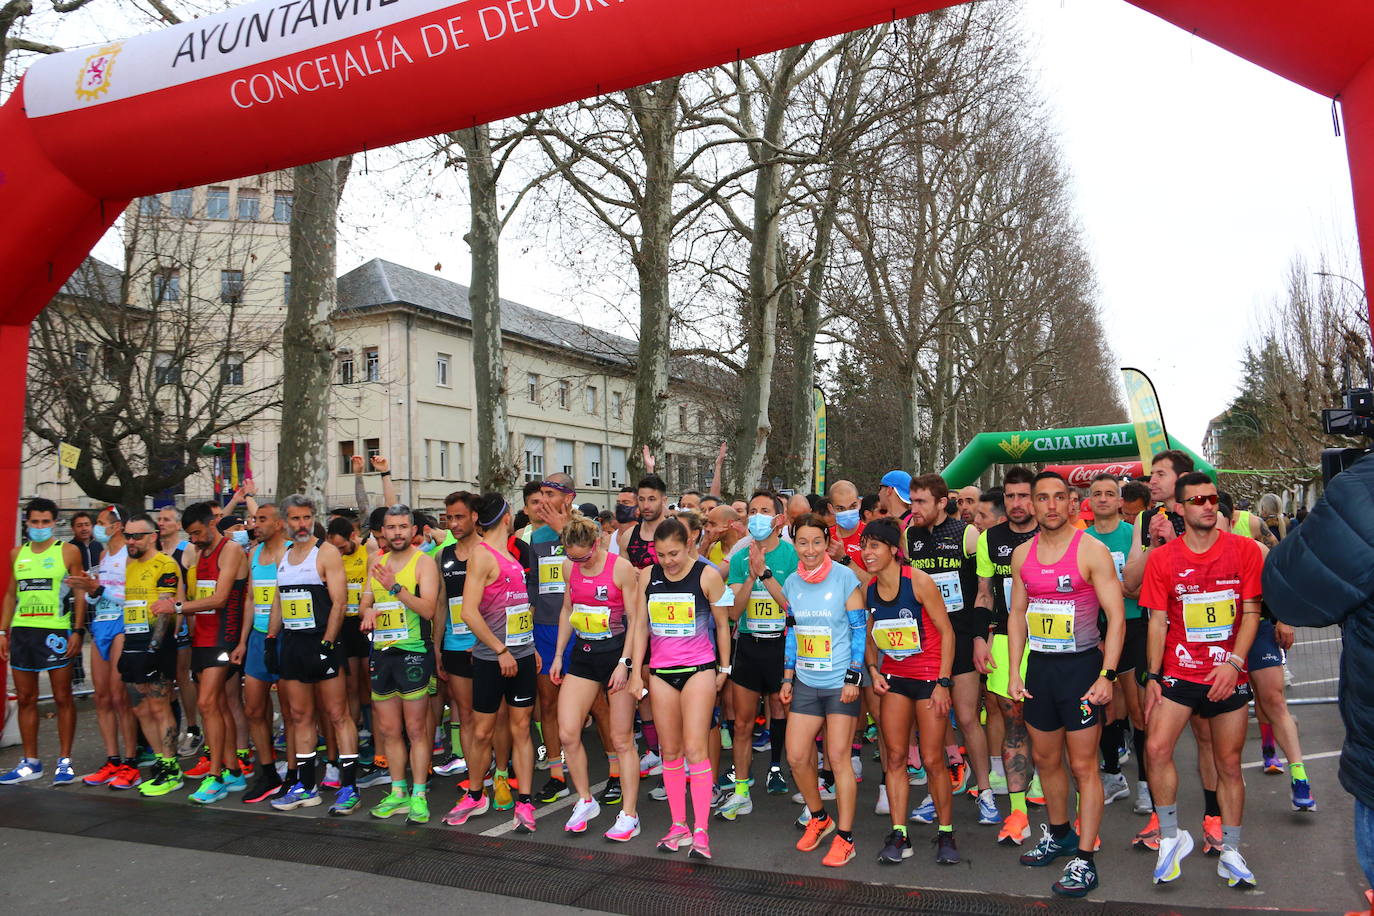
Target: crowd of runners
x=1000 y=651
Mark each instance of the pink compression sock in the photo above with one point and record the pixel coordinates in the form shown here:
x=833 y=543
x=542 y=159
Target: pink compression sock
x=701 y=793
x=675 y=783
x=651 y=736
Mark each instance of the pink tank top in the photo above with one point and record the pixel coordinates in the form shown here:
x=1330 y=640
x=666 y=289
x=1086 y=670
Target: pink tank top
x=598 y=607
x=1061 y=617
x=505 y=607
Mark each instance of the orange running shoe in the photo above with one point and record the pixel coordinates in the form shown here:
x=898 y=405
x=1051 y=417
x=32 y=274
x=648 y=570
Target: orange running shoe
x=128 y=778
x=1015 y=829
x=1149 y=837
x=202 y=768
x=1211 y=836
x=817 y=829
x=1078 y=833
x=103 y=776
x=841 y=851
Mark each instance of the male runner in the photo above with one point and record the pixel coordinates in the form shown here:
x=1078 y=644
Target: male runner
x=724 y=529
x=38 y=634
x=894 y=494
x=344 y=535
x=546 y=587
x=990 y=510
x=455 y=645
x=995 y=548
x=848 y=530
x=966 y=499
x=1135 y=499
x=1203 y=591
x=637 y=541
x=1060 y=580
x=307 y=616
x=398 y=610
x=172 y=542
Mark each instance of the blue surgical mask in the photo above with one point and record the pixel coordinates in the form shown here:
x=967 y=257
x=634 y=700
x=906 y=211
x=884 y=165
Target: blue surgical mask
x=39 y=535
x=100 y=534
x=760 y=527
x=847 y=520
x=240 y=537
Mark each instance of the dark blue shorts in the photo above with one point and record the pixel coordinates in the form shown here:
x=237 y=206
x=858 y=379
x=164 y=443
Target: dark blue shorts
x=1265 y=652
x=545 y=642
x=103 y=633
x=255 y=658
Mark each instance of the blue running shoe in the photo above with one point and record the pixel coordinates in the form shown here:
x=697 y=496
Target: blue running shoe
x=346 y=801
x=987 y=808
x=233 y=782
x=1049 y=849
x=211 y=790
x=777 y=783
x=63 y=774
x=1080 y=877
x=298 y=796
x=763 y=742
x=1302 y=796
x=925 y=813
x=27 y=771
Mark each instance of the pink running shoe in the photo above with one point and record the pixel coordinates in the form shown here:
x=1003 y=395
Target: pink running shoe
x=524 y=817
x=677 y=837
x=467 y=807
x=625 y=828
x=701 y=845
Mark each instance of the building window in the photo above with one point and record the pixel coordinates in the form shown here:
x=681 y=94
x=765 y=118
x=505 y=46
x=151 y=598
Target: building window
x=248 y=205
x=231 y=287
x=701 y=421
x=563 y=451
x=150 y=206
x=592 y=453
x=166 y=285
x=534 y=458
x=592 y=403
x=618 y=472
x=233 y=369
x=684 y=473
x=532 y=385
x=286 y=287
x=441 y=370
x=109 y=362
x=217 y=203
x=564 y=393
x=281 y=207
x=457 y=461
x=443 y=461
x=81 y=356
x=165 y=369
x=182 y=202
x=372 y=369
x=618 y=405
x=346 y=452
x=346 y=369
x=682 y=417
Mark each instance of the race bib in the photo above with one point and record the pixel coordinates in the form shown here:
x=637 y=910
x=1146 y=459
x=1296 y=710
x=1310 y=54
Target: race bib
x=355 y=599
x=673 y=614
x=1006 y=591
x=205 y=588
x=297 y=610
x=1119 y=561
x=591 y=622
x=897 y=638
x=135 y=616
x=456 y=627
x=1209 y=617
x=519 y=625
x=763 y=614
x=107 y=610
x=263 y=591
x=1050 y=625
x=951 y=589
x=813 y=649
x=551 y=576
x=390 y=623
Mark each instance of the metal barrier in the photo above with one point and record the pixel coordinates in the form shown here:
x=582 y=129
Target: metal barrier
x=1314 y=665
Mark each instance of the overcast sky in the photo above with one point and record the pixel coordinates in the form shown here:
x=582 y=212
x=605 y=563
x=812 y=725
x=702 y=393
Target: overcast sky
x=1198 y=176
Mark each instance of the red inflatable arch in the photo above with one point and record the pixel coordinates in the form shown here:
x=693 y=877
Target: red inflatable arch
x=276 y=83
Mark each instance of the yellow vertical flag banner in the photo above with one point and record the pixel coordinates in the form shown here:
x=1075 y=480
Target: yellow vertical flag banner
x=233 y=464
x=1151 y=437
x=818 y=477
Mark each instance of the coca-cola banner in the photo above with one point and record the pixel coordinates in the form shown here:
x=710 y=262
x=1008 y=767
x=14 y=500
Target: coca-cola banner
x=1081 y=475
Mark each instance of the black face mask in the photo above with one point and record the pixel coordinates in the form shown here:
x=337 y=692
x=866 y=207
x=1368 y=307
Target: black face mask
x=625 y=514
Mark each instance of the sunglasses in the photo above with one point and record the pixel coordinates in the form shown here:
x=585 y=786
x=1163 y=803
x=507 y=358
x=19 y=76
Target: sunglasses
x=1204 y=499
x=137 y=535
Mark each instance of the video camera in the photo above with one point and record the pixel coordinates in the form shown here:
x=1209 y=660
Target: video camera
x=1356 y=419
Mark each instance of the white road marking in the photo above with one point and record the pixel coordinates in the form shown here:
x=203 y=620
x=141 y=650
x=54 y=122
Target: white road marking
x=1305 y=758
x=1325 y=680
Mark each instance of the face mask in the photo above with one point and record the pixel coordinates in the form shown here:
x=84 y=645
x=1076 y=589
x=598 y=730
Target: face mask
x=847 y=520
x=39 y=535
x=100 y=534
x=240 y=537
x=760 y=527
x=624 y=514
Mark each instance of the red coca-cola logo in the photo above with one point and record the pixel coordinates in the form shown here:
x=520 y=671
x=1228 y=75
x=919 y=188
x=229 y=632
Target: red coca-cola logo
x=1081 y=475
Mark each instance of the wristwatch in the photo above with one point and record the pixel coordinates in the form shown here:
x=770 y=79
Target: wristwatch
x=845 y=560
x=945 y=682
x=1155 y=676
x=766 y=574
x=395 y=590
x=1108 y=673
x=79 y=631
x=725 y=669
x=177 y=606
x=629 y=665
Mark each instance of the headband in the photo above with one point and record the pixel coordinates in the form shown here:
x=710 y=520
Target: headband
x=501 y=510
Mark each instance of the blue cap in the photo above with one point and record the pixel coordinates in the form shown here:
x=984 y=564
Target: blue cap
x=899 y=481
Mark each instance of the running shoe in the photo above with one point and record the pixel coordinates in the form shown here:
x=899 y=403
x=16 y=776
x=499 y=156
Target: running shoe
x=1149 y=837
x=234 y=782
x=147 y=758
x=453 y=766
x=725 y=779
x=246 y=762
x=882 y=807
x=677 y=837
x=552 y=791
x=1114 y=786
x=167 y=778
x=763 y=741
x=858 y=766
x=1080 y=877
x=946 y=850
x=467 y=807
x=987 y=808
x=1049 y=849
x=1272 y=766
x=701 y=844
x=346 y=801
x=200 y=769
x=265 y=783
x=650 y=765
x=26 y=771
x=718 y=796
x=915 y=776
x=958 y=777
x=419 y=809
x=871 y=734
x=613 y=793
x=1211 y=836
x=582 y=812
x=371 y=776
x=278 y=743
x=1232 y=867
x=802 y=819
x=331 y=777
x=827 y=793
x=817 y=829
x=128 y=777
x=735 y=805
x=658 y=792
x=211 y=790
x=298 y=796
x=625 y=828
x=189 y=742
x=502 y=799
x=63 y=774
x=541 y=758
x=1302 y=796
x=727 y=740
x=997 y=782
x=1035 y=795
x=841 y=852
x=924 y=813
x=1172 y=851
x=524 y=817
x=777 y=783
x=1015 y=829
x=1144 y=804
x=395 y=802
x=895 y=848
x=103 y=776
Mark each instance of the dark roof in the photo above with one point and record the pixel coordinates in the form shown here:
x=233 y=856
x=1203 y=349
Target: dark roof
x=95 y=280
x=380 y=283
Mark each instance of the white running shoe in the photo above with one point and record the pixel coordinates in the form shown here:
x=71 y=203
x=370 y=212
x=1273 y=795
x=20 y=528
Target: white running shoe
x=858 y=765
x=1172 y=851
x=650 y=765
x=882 y=807
x=735 y=805
x=1114 y=786
x=1232 y=867
x=1143 y=802
x=585 y=810
x=626 y=828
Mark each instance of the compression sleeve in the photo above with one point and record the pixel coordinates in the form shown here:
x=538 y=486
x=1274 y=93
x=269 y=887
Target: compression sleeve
x=858 y=627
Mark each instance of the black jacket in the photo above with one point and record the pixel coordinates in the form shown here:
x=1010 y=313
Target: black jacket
x=1323 y=574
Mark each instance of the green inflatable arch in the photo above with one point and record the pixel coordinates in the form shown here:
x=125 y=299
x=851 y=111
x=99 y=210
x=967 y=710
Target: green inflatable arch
x=1051 y=446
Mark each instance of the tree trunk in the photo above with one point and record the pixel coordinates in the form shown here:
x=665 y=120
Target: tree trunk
x=495 y=468
x=308 y=337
